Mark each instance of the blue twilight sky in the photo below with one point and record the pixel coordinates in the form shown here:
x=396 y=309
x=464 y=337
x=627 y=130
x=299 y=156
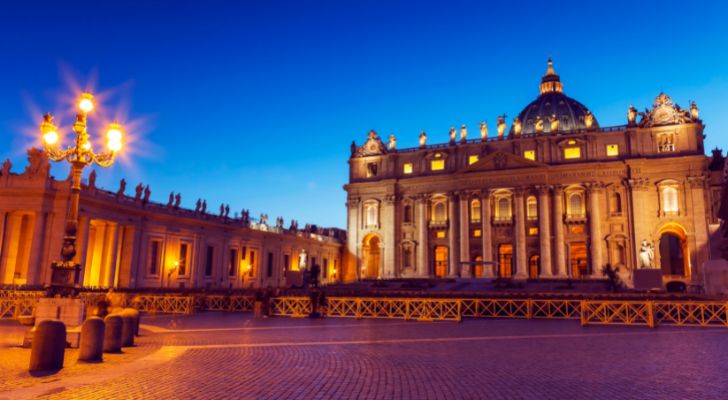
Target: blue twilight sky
x=255 y=103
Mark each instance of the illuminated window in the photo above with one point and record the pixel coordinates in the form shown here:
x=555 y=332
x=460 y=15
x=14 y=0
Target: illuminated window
x=477 y=233
x=571 y=153
x=576 y=204
x=612 y=150
x=533 y=231
x=440 y=234
x=669 y=199
x=503 y=211
x=407 y=168
x=437 y=165
x=472 y=159
x=372 y=214
x=475 y=211
x=530 y=155
x=531 y=207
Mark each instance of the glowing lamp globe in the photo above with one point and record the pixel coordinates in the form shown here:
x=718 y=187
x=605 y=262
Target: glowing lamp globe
x=50 y=138
x=86 y=104
x=113 y=137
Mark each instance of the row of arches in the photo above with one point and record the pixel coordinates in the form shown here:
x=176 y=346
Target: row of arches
x=672 y=251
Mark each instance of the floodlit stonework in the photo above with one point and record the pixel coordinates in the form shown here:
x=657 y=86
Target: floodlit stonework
x=129 y=241
x=555 y=196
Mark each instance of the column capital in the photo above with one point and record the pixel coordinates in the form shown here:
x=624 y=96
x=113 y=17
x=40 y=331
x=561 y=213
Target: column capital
x=421 y=197
x=543 y=190
x=520 y=191
x=558 y=189
x=638 y=183
x=594 y=186
x=353 y=201
x=697 y=181
x=390 y=199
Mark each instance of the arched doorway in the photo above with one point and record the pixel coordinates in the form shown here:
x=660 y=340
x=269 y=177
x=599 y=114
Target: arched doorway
x=441 y=255
x=674 y=251
x=478 y=267
x=371 y=257
x=534 y=266
x=505 y=260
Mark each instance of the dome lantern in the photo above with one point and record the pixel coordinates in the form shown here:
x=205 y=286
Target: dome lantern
x=551 y=81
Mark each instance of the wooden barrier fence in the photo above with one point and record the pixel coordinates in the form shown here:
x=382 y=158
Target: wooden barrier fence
x=589 y=312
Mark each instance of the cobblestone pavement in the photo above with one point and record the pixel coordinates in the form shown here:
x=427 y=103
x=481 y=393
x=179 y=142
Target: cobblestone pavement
x=228 y=356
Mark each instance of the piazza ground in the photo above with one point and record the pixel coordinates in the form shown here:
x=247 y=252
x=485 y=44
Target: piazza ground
x=219 y=355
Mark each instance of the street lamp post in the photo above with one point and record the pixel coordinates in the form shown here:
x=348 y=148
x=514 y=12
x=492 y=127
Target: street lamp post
x=64 y=273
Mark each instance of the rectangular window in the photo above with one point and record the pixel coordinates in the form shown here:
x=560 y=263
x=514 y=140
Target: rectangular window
x=269 y=271
x=571 y=153
x=183 y=250
x=530 y=155
x=477 y=233
x=407 y=168
x=155 y=247
x=440 y=234
x=232 y=261
x=612 y=150
x=472 y=159
x=437 y=165
x=533 y=231
x=209 y=260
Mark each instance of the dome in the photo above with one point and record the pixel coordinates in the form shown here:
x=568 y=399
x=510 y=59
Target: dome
x=553 y=110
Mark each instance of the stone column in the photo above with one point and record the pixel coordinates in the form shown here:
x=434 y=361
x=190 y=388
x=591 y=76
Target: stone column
x=113 y=242
x=544 y=231
x=520 y=236
x=388 y=223
x=351 y=257
x=487 y=235
x=36 y=250
x=3 y=216
x=595 y=228
x=464 y=269
x=701 y=251
x=638 y=189
x=560 y=246
x=423 y=247
x=452 y=235
x=9 y=256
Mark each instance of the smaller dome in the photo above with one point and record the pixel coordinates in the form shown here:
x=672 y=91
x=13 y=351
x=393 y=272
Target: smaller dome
x=552 y=108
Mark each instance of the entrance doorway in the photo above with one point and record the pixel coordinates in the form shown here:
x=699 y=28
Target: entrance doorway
x=441 y=255
x=505 y=260
x=578 y=259
x=673 y=251
x=371 y=257
x=534 y=266
x=478 y=267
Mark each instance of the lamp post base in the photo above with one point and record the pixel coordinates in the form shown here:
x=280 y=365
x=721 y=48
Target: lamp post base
x=64 y=279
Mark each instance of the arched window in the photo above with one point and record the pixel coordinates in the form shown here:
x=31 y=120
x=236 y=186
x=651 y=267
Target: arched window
x=475 y=211
x=408 y=214
x=503 y=211
x=531 y=207
x=439 y=212
x=576 y=204
x=372 y=214
x=669 y=199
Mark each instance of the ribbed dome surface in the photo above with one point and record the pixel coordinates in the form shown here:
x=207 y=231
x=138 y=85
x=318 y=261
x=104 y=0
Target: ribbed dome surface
x=553 y=103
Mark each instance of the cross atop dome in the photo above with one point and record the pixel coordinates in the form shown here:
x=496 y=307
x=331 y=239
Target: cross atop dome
x=551 y=81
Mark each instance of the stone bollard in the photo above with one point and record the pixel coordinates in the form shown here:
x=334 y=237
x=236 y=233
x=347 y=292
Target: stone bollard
x=92 y=340
x=49 y=346
x=258 y=309
x=134 y=313
x=128 y=327
x=112 y=333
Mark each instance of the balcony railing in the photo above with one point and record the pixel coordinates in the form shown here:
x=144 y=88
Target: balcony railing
x=503 y=220
x=579 y=218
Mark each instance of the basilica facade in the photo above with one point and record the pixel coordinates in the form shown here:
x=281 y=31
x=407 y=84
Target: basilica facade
x=127 y=240
x=555 y=195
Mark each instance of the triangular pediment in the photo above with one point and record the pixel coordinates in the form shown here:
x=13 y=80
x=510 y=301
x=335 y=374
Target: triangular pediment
x=499 y=160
